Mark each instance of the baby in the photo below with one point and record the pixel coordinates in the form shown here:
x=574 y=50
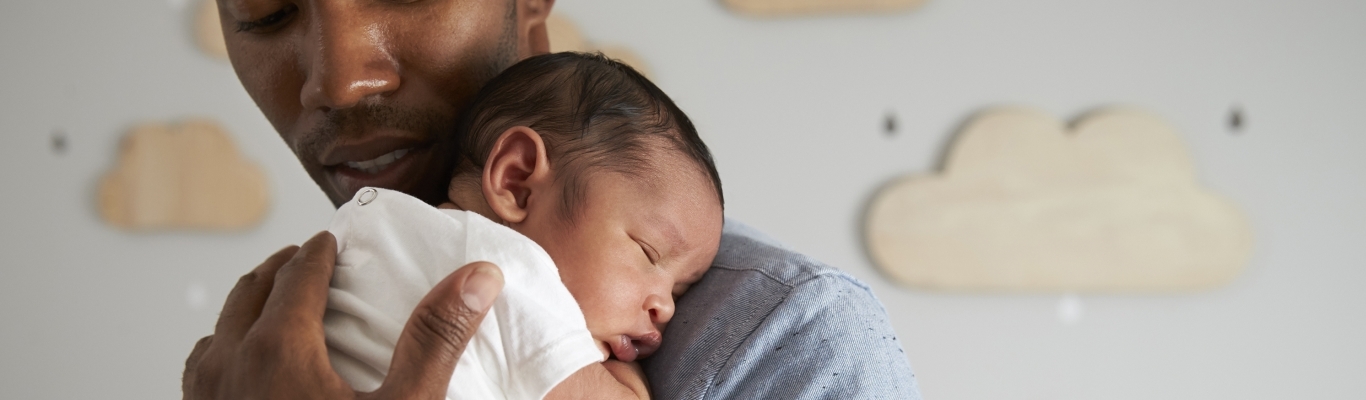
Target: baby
x=591 y=191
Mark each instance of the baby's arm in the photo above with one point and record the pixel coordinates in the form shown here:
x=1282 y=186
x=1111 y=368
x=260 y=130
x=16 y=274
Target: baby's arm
x=609 y=379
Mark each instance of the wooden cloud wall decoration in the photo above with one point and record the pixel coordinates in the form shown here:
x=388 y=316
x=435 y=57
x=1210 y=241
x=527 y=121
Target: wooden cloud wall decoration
x=185 y=176
x=564 y=35
x=1024 y=204
x=208 y=33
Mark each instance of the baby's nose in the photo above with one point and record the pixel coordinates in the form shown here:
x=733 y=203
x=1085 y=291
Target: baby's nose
x=661 y=309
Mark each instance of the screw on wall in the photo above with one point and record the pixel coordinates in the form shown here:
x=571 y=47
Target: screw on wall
x=1236 y=120
x=58 y=142
x=889 y=124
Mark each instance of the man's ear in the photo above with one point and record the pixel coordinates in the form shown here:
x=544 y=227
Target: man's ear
x=516 y=173
x=531 y=16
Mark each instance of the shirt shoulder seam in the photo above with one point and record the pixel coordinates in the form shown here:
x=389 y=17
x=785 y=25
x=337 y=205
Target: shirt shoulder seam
x=801 y=279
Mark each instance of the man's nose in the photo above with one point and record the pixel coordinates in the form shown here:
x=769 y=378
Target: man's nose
x=661 y=309
x=348 y=58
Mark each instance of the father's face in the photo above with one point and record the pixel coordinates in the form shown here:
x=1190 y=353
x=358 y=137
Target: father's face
x=367 y=92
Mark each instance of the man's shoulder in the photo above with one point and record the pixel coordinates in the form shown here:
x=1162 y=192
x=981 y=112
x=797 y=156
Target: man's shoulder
x=769 y=322
x=750 y=252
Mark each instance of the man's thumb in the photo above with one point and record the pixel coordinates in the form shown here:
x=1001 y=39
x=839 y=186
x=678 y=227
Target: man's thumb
x=437 y=332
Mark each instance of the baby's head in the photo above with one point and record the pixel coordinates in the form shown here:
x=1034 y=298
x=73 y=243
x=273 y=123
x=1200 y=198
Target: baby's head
x=589 y=159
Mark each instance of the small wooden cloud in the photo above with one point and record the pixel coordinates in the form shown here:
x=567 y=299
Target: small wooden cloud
x=808 y=7
x=1024 y=205
x=208 y=33
x=565 y=36
x=187 y=176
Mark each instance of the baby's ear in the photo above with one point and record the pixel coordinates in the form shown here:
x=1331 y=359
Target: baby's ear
x=517 y=171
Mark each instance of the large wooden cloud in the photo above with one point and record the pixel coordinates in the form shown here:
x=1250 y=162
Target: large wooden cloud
x=186 y=176
x=1022 y=204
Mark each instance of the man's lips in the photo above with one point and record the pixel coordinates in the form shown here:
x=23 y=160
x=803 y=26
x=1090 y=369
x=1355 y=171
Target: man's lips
x=390 y=160
x=367 y=150
x=378 y=163
x=395 y=173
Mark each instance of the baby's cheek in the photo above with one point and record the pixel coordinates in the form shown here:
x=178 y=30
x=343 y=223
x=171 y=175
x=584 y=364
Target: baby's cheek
x=613 y=310
x=612 y=304
x=598 y=311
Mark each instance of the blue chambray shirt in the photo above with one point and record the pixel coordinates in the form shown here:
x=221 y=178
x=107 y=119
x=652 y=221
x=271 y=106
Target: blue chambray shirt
x=768 y=323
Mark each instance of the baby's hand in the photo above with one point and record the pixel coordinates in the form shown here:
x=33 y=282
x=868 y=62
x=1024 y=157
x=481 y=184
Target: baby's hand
x=611 y=379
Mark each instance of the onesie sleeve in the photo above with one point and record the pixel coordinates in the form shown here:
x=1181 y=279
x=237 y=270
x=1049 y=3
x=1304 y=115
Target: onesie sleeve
x=393 y=248
x=544 y=337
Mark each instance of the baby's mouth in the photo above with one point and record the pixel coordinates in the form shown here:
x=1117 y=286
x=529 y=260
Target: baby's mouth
x=623 y=350
x=628 y=349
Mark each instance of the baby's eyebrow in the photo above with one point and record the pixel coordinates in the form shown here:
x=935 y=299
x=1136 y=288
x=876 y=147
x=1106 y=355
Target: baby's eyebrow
x=673 y=237
x=665 y=234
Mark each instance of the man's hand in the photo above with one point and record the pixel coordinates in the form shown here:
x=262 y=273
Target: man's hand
x=269 y=340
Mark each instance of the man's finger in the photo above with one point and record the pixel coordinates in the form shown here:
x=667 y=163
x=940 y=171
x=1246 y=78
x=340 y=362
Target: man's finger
x=191 y=374
x=244 y=302
x=299 y=296
x=437 y=332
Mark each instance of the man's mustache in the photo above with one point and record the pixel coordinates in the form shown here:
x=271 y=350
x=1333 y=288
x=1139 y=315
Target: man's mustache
x=356 y=121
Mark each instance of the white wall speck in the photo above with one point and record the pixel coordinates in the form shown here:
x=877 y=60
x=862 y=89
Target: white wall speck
x=1069 y=309
x=196 y=296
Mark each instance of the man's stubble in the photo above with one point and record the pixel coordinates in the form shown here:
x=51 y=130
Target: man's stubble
x=433 y=122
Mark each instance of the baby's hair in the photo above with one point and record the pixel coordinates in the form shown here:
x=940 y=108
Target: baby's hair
x=591 y=112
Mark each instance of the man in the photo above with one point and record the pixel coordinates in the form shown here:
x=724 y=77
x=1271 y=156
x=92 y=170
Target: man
x=365 y=93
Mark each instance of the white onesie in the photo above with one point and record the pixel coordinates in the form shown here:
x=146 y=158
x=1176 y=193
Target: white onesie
x=392 y=249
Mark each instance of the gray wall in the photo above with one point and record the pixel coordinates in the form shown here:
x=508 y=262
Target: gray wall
x=793 y=109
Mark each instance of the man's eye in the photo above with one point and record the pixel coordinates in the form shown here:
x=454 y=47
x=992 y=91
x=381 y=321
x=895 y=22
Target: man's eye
x=269 y=22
